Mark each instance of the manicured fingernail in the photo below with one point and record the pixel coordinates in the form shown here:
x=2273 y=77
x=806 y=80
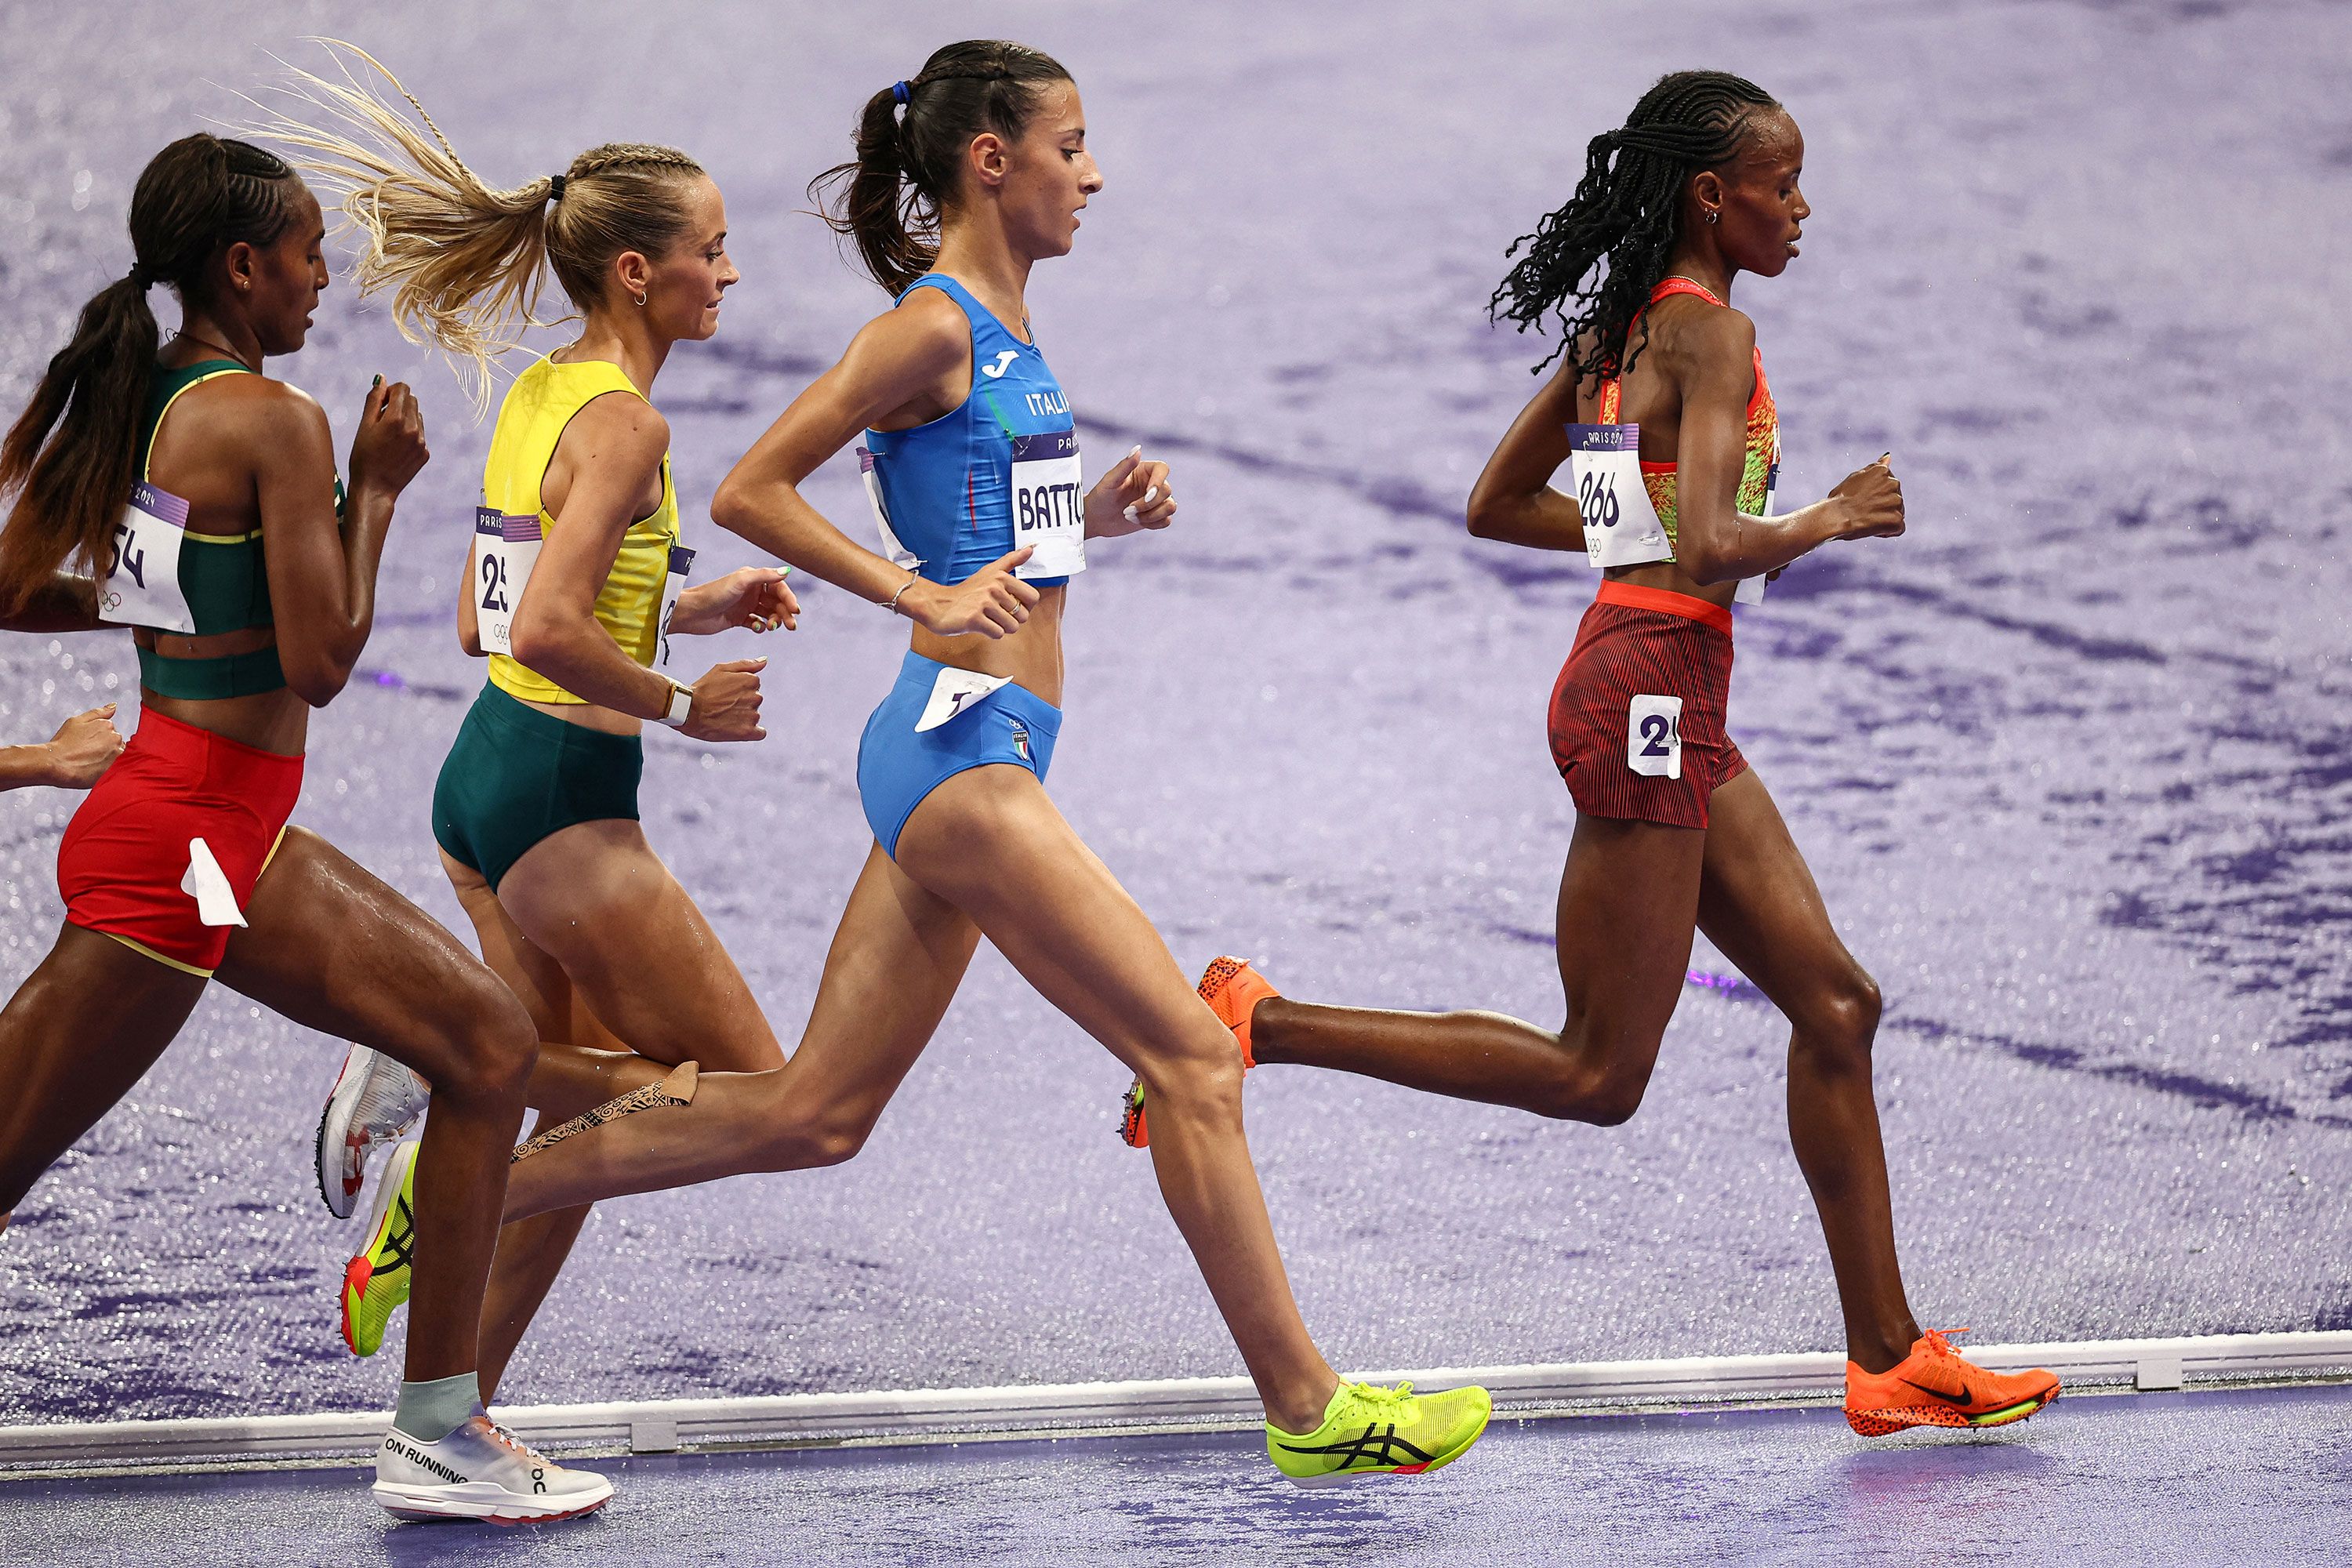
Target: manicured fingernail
x=376 y=383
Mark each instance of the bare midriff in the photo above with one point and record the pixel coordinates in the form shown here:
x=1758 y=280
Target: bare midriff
x=1030 y=655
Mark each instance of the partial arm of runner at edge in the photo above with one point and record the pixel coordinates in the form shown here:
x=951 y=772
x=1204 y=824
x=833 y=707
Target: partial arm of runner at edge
x=888 y=365
x=614 y=446
x=82 y=749
x=323 y=579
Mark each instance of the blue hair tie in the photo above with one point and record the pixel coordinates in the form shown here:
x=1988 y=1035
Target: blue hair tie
x=898 y=92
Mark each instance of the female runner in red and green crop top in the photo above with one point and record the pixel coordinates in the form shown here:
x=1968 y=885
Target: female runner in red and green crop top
x=252 y=599
x=1674 y=832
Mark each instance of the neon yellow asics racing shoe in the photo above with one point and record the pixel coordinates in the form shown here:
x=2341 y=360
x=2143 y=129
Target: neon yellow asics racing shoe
x=1372 y=1431
x=376 y=1281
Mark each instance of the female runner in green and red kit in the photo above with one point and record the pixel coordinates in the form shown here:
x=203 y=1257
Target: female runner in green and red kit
x=1662 y=412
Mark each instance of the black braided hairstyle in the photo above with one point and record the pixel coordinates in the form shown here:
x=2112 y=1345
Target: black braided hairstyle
x=1628 y=213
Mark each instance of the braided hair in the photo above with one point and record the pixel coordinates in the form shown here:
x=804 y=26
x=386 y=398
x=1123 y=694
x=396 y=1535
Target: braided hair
x=1627 y=212
x=889 y=198
x=465 y=261
x=70 y=456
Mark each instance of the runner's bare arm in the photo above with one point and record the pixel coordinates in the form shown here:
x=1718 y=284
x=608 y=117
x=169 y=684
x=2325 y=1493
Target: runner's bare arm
x=892 y=362
x=612 y=450
x=1513 y=499
x=756 y=597
x=64 y=603
x=323 y=577
x=1712 y=358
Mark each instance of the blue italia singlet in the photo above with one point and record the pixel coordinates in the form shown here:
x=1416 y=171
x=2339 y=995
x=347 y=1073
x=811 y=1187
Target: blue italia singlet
x=998 y=472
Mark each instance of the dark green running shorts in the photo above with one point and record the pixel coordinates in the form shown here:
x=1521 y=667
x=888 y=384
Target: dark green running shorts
x=516 y=775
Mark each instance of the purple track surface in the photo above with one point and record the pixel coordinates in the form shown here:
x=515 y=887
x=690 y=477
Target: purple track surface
x=2195 y=1479
x=2070 y=761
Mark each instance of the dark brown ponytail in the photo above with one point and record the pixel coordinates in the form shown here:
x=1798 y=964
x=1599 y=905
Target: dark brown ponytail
x=890 y=197
x=196 y=198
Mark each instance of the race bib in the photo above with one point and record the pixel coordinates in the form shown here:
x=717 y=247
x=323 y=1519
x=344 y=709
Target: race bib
x=1048 y=512
x=1751 y=589
x=505 y=549
x=681 y=561
x=898 y=554
x=1621 y=526
x=141 y=584
x=954 y=692
x=1653 y=737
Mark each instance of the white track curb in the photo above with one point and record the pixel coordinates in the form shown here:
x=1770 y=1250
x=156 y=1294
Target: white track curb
x=945 y=1414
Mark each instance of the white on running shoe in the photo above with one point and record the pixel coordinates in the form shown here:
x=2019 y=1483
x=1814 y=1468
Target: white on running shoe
x=374 y=1100
x=482 y=1471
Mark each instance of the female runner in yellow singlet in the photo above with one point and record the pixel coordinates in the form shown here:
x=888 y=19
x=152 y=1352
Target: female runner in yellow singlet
x=576 y=592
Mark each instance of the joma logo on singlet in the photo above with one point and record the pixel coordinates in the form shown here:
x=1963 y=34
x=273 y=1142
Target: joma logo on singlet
x=1005 y=358
x=1046 y=402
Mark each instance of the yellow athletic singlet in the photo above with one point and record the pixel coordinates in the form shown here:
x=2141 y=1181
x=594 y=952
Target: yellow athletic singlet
x=530 y=421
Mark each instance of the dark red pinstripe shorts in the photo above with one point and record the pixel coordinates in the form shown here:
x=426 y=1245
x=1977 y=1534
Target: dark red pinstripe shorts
x=1637 y=715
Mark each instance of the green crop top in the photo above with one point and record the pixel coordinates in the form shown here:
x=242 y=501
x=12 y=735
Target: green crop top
x=222 y=576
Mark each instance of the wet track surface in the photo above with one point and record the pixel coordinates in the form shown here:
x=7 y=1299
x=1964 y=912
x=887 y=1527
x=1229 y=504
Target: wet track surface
x=2071 y=761
x=2197 y=1478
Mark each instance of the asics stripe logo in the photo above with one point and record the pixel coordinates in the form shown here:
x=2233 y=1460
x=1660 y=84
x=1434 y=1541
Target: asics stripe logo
x=1961 y=1400
x=1003 y=362
x=1376 y=1445
x=399 y=1242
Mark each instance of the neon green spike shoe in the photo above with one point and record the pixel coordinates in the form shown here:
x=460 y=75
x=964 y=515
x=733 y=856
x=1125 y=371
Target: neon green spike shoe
x=376 y=1281
x=1372 y=1431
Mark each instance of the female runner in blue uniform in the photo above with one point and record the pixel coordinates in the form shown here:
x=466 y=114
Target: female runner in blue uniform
x=972 y=461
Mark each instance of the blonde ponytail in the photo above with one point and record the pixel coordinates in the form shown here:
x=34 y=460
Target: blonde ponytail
x=465 y=262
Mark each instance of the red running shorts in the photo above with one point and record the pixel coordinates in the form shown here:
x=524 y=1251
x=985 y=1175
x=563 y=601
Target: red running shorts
x=129 y=863
x=1637 y=715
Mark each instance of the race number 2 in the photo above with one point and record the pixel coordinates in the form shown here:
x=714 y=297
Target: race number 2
x=1654 y=736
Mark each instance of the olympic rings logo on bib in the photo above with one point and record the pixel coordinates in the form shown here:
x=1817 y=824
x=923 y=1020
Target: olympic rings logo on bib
x=505 y=549
x=1621 y=526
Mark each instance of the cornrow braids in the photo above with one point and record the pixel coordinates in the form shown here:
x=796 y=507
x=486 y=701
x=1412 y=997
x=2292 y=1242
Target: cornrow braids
x=1627 y=211
x=630 y=155
x=465 y=262
x=890 y=198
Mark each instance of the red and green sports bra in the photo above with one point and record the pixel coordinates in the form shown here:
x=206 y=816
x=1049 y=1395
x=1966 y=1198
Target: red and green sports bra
x=1763 y=448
